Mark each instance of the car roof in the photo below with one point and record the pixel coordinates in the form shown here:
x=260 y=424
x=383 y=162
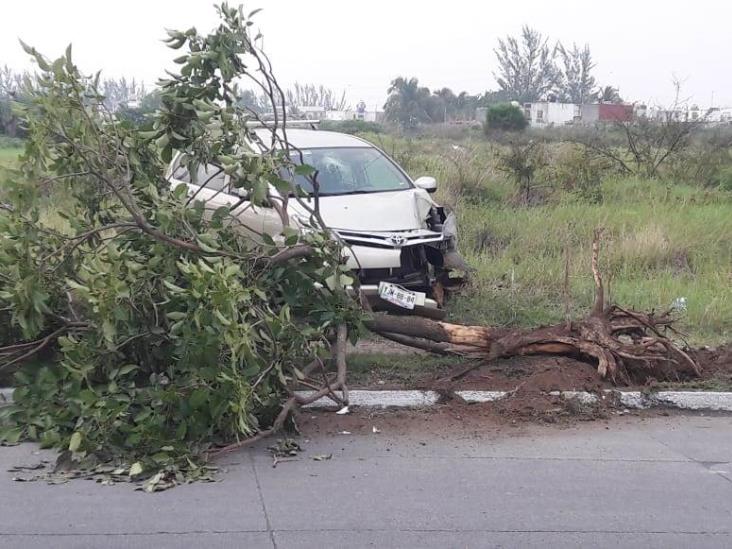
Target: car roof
x=310 y=139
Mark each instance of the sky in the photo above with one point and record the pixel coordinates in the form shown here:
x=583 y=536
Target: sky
x=359 y=47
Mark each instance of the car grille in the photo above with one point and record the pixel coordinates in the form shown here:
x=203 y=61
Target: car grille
x=391 y=240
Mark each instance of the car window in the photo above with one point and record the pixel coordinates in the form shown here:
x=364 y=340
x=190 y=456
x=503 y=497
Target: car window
x=350 y=170
x=210 y=174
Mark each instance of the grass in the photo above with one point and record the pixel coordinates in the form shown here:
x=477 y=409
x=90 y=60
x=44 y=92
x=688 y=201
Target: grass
x=8 y=156
x=662 y=241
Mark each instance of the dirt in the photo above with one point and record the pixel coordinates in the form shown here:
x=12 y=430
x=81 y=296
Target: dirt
x=529 y=380
x=454 y=419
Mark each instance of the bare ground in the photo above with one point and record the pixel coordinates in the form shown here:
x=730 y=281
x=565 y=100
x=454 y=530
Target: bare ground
x=528 y=379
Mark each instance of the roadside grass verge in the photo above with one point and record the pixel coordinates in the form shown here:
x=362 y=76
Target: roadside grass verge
x=660 y=244
x=662 y=240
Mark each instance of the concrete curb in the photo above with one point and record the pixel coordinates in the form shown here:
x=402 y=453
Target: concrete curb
x=682 y=400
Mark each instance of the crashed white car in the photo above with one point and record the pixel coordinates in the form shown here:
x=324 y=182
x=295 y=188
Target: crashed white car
x=400 y=244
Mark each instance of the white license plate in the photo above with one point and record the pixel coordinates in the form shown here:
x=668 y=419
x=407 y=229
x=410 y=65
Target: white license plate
x=399 y=296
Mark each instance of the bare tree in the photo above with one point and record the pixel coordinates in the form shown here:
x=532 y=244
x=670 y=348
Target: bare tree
x=118 y=92
x=651 y=142
x=312 y=95
x=577 y=79
x=527 y=69
x=11 y=86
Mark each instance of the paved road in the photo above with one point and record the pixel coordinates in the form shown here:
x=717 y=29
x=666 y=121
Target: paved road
x=661 y=482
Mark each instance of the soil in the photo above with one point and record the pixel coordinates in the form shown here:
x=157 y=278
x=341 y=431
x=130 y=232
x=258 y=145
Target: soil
x=538 y=373
x=529 y=381
x=454 y=419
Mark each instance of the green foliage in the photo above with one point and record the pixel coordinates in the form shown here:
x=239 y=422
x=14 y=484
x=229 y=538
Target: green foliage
x=664 y=239
x=578 y=170
x=352 y=126
x=724 y=179
x=504 y=117
x=163 y=330
x=521 y=161
x=410 y=104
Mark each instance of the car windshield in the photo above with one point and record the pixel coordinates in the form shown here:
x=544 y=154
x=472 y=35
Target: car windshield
x=352 y=170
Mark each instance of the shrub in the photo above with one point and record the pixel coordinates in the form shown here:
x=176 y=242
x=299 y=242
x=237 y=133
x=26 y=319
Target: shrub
x=521 y=162
x=577 y=169
x=724 y=179
x=504 y=117
x=352 y=126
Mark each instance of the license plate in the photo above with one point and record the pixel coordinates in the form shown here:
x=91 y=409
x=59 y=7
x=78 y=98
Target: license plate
x=399 y=296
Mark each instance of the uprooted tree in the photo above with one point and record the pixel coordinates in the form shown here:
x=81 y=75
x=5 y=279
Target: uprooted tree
x=147 y=331
x=625 y=345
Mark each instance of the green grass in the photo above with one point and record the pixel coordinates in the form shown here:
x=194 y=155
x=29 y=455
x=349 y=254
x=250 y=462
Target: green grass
x=653 y=252
x=8 y=156
x=661 y=241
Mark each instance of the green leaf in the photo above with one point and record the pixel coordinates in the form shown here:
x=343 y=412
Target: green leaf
x=75 y=442
x=198 y=398
x=304 y=170
x=136 y=469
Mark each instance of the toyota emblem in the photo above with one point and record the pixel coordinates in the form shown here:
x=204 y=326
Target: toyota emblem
x=397 y=240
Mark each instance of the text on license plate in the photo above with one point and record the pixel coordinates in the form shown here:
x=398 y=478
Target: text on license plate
x=399 y=296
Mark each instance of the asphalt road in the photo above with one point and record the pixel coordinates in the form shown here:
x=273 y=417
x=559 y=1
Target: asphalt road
x=660 y=482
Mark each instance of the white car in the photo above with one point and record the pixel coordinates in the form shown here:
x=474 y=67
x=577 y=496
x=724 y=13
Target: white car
x=400 y=244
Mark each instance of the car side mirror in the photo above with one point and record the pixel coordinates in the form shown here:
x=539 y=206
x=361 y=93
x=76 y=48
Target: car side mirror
x=427 y=183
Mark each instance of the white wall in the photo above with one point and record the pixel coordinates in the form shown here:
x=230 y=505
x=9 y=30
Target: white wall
x=368 y=116
x=557 y=114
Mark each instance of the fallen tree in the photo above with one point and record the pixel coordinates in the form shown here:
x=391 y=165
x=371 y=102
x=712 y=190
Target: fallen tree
x=625 y=345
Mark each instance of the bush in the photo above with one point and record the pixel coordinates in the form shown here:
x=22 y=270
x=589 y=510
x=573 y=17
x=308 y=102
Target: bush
x=577 y=169
x=10 y=142
x=504 y=117
x=351 y=126
x=724 y=179
x=521 y=162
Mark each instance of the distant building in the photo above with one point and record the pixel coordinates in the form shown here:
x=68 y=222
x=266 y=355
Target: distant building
x=606 y=112
x=545 y=114
x=719 y=115
x=351 y=114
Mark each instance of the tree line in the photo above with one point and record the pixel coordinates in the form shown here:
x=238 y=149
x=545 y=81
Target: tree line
x=529 y=69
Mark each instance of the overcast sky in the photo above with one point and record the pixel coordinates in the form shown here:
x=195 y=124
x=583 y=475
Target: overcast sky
x=360 y=46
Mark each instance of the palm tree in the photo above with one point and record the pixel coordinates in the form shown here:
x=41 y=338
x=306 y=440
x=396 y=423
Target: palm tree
x=406 y=102
x=608 y=94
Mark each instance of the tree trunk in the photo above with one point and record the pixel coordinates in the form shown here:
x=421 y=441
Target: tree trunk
x=625 y=345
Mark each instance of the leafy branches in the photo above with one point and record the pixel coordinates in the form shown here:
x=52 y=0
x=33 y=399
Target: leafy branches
x=162 y=330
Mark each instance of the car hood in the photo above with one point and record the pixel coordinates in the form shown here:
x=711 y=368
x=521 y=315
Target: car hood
x=387 y=211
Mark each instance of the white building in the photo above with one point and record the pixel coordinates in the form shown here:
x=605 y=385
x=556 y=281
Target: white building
x=545 y=114
x=720 y=115
x=352 y=114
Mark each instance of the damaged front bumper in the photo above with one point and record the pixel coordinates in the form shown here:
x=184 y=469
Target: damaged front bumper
x=418 y=260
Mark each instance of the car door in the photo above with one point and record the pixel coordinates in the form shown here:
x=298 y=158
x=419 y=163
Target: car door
x=210 y=185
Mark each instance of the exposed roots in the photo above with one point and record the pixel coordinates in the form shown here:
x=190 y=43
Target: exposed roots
x=624 y=345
